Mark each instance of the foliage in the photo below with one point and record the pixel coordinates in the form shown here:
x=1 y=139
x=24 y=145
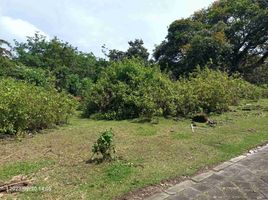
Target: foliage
x=258 y=75
x=35 y=76
x=212 y=91
x=231 y=34
x=127 y=89
x=135 y=50
x=6 y=66
x=25 y=107
x=61 y=59
x=104 y=145
x=4 y=51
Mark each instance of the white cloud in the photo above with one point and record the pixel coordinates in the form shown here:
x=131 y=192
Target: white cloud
x=17 y=28
x=89 y=24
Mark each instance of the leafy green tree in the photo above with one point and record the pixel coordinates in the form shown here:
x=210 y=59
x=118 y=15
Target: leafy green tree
x=35 y=76
x=6 y=64
x=4 y=52
x=116 y=55
x=230 y=34
x=135 y=50
x=60 y=58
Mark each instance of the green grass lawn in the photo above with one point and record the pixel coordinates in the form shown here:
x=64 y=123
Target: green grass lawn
x=148 y=153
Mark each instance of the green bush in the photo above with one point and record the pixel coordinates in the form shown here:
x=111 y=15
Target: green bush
x=6 y=66
x=104 y=145
x=127 y=89
x=25 y=107
x=264 y=91
x=35 y=76
x=212 y=91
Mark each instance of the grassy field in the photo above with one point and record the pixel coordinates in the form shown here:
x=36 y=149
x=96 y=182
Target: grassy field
x=148 y=153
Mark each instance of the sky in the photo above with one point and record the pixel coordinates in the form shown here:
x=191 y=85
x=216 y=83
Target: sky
x=88 y=24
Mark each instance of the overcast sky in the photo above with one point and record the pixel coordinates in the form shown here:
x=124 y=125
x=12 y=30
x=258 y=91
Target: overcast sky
x=88 y=24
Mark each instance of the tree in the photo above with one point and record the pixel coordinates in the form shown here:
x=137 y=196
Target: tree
x=4 y=52
x=229 y=34
x=116 y=55
x=135 y=50
x=64 y=61
x=6 y=64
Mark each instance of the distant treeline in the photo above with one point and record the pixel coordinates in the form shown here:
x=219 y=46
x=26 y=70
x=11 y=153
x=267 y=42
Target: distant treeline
x=224 y=40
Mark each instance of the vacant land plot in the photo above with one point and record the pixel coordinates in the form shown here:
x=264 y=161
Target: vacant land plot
x=148 y=153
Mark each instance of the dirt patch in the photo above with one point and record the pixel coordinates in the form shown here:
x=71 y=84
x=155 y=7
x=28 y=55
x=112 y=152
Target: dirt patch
x=150 y=190
x=16 y=184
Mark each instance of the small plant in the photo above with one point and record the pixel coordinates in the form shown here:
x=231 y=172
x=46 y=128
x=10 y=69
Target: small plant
x=104 y=145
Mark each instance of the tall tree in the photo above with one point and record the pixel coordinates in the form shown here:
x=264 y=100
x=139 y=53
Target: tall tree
x=64 y=61
x=136 y=49
x=232 y=35
x=4 y=51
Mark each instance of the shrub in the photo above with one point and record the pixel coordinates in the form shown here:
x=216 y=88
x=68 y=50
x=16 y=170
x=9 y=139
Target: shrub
x=6 y=66
x=185 y=98
x=245 y=90
x=25 y=107
x=127 y=89
x=35 y=76
x=212 y=91
x=264 y=91
x=104 y=145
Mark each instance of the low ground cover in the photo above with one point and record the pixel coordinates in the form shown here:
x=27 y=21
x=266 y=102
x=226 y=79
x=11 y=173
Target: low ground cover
x=147 y=153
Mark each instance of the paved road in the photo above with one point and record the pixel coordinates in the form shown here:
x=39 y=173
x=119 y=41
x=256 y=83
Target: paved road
x=244 y=177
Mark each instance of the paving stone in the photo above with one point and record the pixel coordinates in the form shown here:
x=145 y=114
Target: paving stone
x=246 y=175
x=178 y=197
x=241 y=178
x=215 y=193
x=234 y=169
x=260 y=186
x=213 y=180
x=190 y=193
x=242 y=184
x=202 y=197
x=265 y=178
x=202 y=176
x=227 y=184
x=159 y=196
x=233 y=193
x=236 y=159
x=201 y=187
x=254 y=195
x=264 y=192
x=179 y=187
x=222 y=166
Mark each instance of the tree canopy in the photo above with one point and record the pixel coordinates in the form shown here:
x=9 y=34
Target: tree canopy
x=69 y=66
x=4 y=51
x=135 y=50
x=230 y=35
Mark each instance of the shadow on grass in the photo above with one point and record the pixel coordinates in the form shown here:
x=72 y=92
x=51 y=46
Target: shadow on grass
x=95 y=161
